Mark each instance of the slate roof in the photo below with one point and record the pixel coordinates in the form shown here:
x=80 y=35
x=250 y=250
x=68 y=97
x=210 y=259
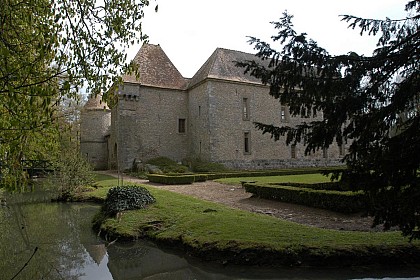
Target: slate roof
x=156 y=69
x=221 y=65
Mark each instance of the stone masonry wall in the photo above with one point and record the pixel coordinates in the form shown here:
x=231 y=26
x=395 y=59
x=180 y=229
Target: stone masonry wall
x=147 y=124
x=198 y=104
x=227 y=126
x=93 y=129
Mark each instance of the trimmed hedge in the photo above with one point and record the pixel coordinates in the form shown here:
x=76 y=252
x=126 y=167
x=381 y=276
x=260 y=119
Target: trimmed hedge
x=332 y=186
x=175 y=179
x=339 y=201
x=279 y=172
x=171 y=179
x=200 y=177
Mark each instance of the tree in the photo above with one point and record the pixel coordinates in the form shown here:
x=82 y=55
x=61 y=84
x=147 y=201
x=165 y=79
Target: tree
x=371 y=102
x=51 y=49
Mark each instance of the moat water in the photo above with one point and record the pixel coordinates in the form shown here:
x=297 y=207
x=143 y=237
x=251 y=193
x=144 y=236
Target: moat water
x=41 y=240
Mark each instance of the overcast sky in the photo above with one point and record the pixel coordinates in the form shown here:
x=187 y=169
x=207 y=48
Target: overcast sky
x=190 y=30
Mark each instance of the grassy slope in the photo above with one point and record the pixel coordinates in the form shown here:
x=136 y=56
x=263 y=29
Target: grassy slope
x=206 y=227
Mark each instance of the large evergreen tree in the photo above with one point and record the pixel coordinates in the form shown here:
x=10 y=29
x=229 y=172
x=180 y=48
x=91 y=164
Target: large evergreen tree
x=49 y=49
x=371 y=102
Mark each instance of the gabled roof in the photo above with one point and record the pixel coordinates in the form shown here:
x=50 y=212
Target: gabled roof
x=221 y=65
x=156 y=69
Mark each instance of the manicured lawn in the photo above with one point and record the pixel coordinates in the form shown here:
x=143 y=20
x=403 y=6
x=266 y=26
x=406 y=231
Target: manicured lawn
x=201 y=224
x=105 y=180
x=198 y=222
x=102 y=184
x=304 y=178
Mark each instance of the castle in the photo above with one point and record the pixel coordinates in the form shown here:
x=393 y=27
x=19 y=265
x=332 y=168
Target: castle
x=210 y=116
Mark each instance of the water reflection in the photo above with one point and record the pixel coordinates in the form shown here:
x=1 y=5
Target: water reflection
x=46 y=240
x=142 y=260
x=55 y=241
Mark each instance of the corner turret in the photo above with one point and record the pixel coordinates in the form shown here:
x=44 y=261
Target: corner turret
x=94 y=131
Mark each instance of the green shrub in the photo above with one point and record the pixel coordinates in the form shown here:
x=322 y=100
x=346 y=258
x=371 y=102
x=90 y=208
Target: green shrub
x=198 y=165
x=167 y=165
x=72 y=172
x=200 y=177
x=339 y=201
x=161 y=161
x=177 y=179
x=171 y=179
x=126 y=198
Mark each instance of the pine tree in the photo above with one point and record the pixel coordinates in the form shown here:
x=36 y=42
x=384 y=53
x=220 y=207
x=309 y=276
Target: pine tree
x=370 y=102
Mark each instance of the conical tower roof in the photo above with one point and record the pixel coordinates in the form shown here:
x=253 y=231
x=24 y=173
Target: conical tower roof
x=95 y=103
x=156 y=69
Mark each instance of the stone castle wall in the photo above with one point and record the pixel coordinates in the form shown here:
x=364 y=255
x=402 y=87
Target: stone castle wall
x=199 y=133
x=222 y=127
x=146 y=125
x=94 y=127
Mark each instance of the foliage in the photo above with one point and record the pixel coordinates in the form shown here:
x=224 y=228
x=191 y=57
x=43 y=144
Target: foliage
x=167 y=165
x=124 y=198
x=48 y=51
x=198 y=165
x=72 y=172
x=373 y=103
x=340 y=201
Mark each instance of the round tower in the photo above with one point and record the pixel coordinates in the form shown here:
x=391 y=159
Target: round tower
x=94 y=132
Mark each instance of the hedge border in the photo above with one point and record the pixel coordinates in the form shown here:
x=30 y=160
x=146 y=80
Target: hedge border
x=338 y=201
x=175 y=179
x=330 y=186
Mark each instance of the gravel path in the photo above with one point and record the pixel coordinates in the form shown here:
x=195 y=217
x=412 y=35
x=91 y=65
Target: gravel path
x=236 y=197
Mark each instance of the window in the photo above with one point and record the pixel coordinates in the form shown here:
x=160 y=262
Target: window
x=182 y=126
x=293 y=151
x=247 y=149
x=245 y=109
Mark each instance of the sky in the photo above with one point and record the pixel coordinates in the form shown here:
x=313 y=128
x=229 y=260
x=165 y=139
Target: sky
x=190 y=30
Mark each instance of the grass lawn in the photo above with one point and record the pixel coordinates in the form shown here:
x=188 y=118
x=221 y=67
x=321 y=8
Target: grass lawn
x=304 y=178
x=204 y=226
